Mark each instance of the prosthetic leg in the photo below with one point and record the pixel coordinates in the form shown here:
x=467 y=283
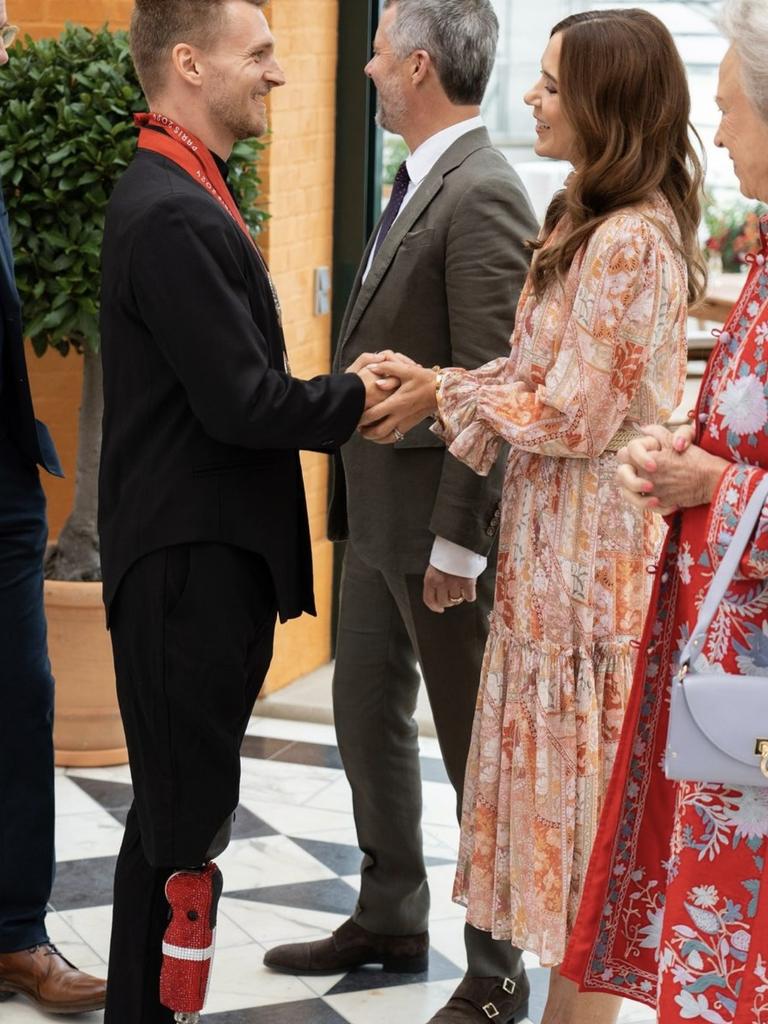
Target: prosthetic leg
x=193 y=896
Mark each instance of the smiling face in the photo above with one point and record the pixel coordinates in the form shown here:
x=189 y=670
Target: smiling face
x=389 y=76
x=555 y=136
x=742 y=131
x=241 y=70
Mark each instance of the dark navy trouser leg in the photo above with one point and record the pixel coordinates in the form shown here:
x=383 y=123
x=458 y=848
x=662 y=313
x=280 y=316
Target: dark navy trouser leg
x=26 y=709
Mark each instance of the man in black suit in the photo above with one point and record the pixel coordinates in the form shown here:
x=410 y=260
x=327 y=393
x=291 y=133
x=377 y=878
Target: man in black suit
x=29 y=963
x=203 y=520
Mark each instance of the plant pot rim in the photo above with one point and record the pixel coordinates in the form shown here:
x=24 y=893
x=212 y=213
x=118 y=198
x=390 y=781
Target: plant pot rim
x=83 y=593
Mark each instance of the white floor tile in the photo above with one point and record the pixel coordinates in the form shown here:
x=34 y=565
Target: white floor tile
x=271 y=860
x=93 y=926
x=336 y=796
x=285 y=729
x=70 y=799
x=283 y=782
x=95 y=834
x=411 y=1003
x=240 y=980
x=21 y=1011
x=295 y=820
x=273 y=925
x=71 y=945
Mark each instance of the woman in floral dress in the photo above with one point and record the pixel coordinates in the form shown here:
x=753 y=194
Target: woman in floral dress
x=675 y=911
x=598 y=348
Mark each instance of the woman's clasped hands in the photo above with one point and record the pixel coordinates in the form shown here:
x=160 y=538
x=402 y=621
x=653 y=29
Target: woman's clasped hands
x=664 y=471
x=399 y=394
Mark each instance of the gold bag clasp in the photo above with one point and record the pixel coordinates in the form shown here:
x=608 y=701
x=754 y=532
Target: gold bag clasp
x=761 y=749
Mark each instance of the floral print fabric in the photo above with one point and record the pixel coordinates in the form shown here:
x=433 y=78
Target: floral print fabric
x=675 y=912
x=603 y=350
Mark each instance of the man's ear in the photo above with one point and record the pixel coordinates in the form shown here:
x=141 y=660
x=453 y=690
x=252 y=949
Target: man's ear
x=420 y=66
x=185 y=64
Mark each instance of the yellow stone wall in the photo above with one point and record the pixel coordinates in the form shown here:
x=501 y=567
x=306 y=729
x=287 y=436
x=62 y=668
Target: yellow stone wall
x=297 y=171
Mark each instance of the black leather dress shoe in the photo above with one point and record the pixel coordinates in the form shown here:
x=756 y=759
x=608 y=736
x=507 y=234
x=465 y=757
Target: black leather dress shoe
x=351 y=946
x=479 y=1000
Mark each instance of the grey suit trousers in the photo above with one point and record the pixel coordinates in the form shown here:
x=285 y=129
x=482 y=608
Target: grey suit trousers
x=385 y=632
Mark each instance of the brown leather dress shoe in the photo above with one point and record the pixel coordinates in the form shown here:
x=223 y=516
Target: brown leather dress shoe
x=479 y=1000
x=50 y=981
x=351 y=946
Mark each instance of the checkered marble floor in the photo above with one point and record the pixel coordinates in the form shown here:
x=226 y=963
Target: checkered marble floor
x=290 y=873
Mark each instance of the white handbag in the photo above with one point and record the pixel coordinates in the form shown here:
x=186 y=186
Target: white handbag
x=718 y=723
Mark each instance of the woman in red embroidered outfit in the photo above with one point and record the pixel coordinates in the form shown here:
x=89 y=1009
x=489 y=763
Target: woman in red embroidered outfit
x=675 y=911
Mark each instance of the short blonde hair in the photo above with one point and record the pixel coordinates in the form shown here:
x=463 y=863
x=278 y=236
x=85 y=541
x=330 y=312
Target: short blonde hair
x=745 y=24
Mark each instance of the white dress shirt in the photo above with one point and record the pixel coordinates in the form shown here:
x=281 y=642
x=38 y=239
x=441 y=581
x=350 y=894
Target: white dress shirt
x=446 y=556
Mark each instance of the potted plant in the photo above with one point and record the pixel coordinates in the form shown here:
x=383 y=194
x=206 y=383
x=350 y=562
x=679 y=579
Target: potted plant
x=66 y=135
x=733 y=232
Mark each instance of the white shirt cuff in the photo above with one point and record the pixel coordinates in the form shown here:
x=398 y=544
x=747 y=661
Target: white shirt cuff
x=456 y=560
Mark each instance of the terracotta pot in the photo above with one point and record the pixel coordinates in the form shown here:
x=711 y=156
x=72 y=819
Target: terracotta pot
x=87 y=730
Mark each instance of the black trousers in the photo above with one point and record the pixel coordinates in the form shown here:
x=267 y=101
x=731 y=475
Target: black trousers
x=26 y=709
x=192 y=631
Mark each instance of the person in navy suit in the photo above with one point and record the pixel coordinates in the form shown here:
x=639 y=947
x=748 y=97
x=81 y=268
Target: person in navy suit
x=29 y=964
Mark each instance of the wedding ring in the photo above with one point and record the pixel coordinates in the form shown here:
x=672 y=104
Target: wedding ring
x=455 y=600
x=397 y=435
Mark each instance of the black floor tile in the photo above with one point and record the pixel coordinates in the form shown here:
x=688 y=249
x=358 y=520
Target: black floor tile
x=115 y=797
x=339 y=857
x=307 y=1011
x=321 y=755
x=250 y=826
x=365 y=978
x=331 y=895
x=343 y=858
x=262 y=747
x=83 y=883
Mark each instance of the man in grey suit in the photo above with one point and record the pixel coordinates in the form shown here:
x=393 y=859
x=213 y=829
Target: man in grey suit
x=439 y=281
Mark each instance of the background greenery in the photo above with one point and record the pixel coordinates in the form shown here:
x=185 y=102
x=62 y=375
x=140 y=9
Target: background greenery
x=66 y=135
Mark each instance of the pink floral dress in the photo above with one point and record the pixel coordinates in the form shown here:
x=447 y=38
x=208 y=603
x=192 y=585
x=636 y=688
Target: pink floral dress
x=675 y=910
x=603 y=351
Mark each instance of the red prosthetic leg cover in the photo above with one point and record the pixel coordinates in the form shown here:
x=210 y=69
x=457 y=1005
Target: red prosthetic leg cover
x=188 y=942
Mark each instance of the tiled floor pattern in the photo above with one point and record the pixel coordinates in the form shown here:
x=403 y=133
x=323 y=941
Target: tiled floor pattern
x=290 y=873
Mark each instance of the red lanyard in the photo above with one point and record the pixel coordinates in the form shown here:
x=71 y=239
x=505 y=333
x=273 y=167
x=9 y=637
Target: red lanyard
x=177 y=144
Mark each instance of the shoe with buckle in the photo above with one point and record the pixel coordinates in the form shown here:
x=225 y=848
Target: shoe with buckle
x=52 y=983
x=352 y=946
x=480 y=1000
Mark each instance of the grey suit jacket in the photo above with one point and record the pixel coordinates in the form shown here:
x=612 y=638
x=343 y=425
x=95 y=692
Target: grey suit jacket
x=442 y=289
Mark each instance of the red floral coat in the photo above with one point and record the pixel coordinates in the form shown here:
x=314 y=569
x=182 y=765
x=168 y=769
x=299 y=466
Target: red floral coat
x=675 y=909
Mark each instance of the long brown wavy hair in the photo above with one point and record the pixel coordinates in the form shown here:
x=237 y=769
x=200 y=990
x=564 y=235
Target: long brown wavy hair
x=624 y=91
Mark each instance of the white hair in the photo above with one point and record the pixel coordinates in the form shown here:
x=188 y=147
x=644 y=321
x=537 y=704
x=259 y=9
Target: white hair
x=745 y=24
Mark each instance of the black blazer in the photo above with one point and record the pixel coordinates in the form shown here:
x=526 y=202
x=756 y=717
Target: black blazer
x=17 y=418
x=202 y=425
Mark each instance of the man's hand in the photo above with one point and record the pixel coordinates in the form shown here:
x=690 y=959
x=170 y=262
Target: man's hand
x=416 y=398
x=441 y=590
x=367 y=358
x=376 y=388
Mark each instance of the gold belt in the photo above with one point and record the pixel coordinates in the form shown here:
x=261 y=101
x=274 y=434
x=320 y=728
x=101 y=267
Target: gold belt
x=621 y=438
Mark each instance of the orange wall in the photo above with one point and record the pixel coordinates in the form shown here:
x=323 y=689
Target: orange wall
x=297 y=171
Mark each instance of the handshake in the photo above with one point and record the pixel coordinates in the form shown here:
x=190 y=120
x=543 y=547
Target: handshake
x=399 y=393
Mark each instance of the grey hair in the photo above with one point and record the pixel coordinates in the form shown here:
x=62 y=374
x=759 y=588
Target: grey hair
x=460 y=36
x=745 y=24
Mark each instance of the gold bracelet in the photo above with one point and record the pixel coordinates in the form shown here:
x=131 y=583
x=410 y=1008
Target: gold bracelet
x=438 y=372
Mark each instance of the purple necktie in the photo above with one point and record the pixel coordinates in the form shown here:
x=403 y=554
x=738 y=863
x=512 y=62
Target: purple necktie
x=399 y=189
